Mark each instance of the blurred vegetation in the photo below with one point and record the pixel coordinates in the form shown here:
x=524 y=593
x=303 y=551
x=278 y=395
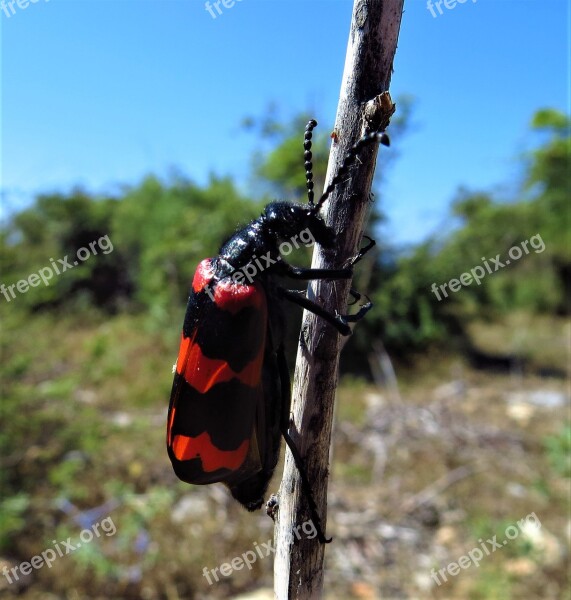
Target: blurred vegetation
x=160 y=231
x=411 y=316
x=86 y=359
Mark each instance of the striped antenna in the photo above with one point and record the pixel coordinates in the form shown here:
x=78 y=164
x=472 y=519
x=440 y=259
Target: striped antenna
x=307 y=156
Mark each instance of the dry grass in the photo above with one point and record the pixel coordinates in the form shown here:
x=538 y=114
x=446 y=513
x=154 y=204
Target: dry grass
x=417 y=478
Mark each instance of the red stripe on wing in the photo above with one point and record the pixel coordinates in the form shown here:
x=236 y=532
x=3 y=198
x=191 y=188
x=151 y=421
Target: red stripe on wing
x=202 y=372
x=187 y=448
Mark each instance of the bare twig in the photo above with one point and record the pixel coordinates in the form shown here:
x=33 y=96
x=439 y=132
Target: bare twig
x=363 y=106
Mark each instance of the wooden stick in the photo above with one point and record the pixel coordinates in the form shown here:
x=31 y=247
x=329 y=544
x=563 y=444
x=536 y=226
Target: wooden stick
x=364 y=106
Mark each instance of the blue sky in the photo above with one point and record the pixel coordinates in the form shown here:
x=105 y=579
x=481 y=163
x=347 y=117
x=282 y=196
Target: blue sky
x=100 y=93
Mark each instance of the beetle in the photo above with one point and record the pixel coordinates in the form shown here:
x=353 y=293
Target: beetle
x=230 y=399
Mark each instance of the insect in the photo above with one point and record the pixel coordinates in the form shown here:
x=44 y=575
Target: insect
x=230 y=399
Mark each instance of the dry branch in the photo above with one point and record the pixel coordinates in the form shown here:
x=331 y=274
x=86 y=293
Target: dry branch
x=363 y=106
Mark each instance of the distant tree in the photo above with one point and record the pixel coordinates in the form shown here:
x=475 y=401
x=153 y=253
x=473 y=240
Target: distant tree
x=56 y=226
x=411 y=316
x=549 y=182
x=159 y=232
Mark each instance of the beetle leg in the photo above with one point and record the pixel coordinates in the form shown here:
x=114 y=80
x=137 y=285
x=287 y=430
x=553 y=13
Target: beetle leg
x=362 y=251
x=340 y=322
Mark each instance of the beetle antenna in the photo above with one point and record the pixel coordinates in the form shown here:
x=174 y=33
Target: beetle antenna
x=307 y=156
x=367 y=139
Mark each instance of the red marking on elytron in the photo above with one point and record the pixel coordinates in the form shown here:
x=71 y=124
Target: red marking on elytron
x=201 y=446
x=202 y=373
x=227 y=294
x=233 y=297
x=203 y=276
